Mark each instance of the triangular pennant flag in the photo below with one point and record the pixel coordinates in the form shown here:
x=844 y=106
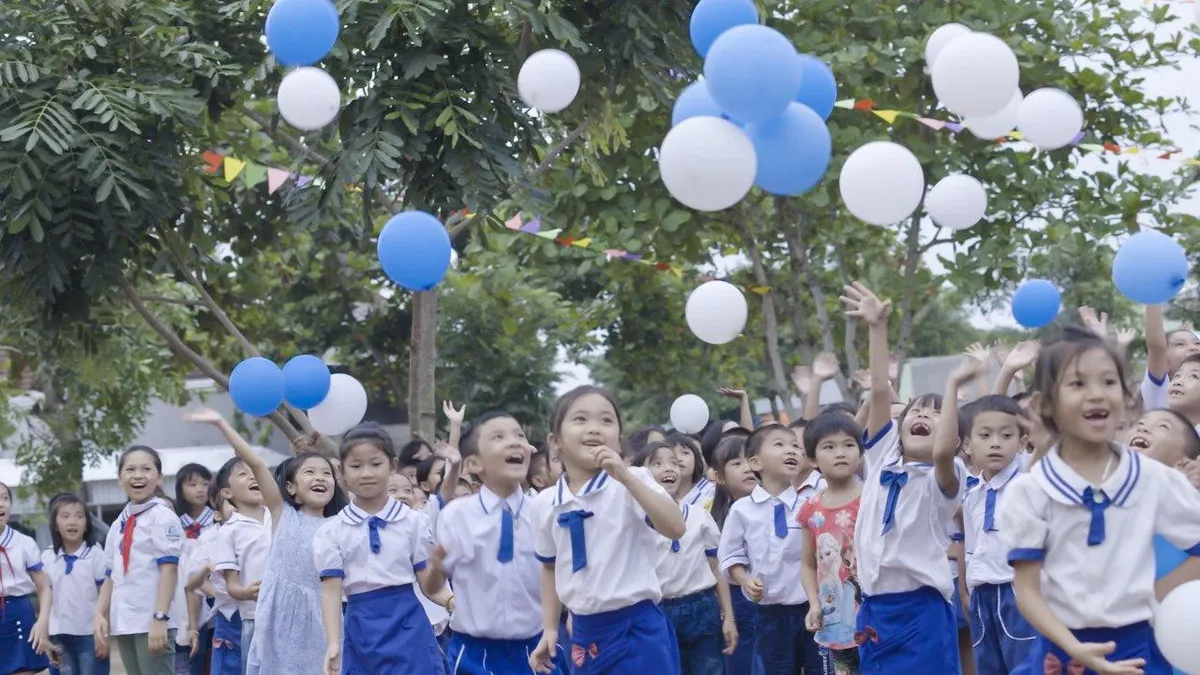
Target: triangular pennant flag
x=864 y=104
x=533 y=226
x=1091 y=147
x=1112 y=147
x=760 y=290
x=254 y=174
x=637 y=256
x=614 y=253
x=844 y=104
x=212 y=161
x=301 y=181
x=233 y=167
x=936 y=125
x=1131 y=151
x=548 y=234
x=275 y=179
x=1077 y=140
x=1016 y=135
x=954 y=126
x=662 y=266
x=888 y=116
x=582 y=243
x=514 y=223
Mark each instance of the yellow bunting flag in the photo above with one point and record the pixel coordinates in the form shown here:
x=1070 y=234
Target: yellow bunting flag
x=582 y=243
x=888 y=116
x=233 y=167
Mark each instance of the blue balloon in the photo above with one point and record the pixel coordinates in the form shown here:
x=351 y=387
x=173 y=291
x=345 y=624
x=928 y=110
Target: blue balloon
x=713 y=17
x=414 y=250
x=306 y=381
x=695 y=101
x=818 y=89
x=1167 y=557
x=1036 y=303
x=301 y=32
x=1150 y=268
x=256 y=386
x=793 y=151
x=753 y=73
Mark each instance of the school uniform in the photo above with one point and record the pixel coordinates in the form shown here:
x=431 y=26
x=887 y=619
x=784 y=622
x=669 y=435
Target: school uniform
x=1092 y=543
x=497 y=620
x=439 y=618
x=1154 y=391
x=600 y=542
x=813 y=483
x=1001 y=637
x=19 y=559
x=226 y=637
x=193 y=530
x=194 y=527
x=901 y=536
x=145 y=537
x=701 y=494
x=377 y=557
x=76 y=579
x=244 y=545
x=689 y=592
x=762 y=534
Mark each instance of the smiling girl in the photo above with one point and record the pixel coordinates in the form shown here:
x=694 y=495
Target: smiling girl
x=75 y=565
x=21 y=651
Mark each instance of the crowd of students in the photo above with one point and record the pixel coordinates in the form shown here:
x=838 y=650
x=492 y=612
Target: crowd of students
x=987 y=535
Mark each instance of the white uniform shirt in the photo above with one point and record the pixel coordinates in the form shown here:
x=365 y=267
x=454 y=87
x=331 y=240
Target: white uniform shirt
x=1047 y=516
x=494 y=600
x=750 y=539
x=202 y=556
x=75 y=594
x=701 y=494
x=19 y=559
x=194 y=527
x=619 y=544
x=812 y=484
x=157 y=540
x=244 y=545
x=987 y=557
x=1154 y=391
x=342 y=547
x=682 y=565
x=913 y=552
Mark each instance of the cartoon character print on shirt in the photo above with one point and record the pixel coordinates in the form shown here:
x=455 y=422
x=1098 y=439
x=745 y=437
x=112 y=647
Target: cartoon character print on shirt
x=836 y=592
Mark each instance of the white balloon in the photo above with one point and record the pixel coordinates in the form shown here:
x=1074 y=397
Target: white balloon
x=549 y=80
x=716 y=312
x=957 y=202
x=1049 y=118
x=881 y=183
x=941 y=37
x=997 y=125
x=308 y=98
x=1175 y=623
x=689 y=414
x=344 y=406
x=707 y=163
x=976 y=75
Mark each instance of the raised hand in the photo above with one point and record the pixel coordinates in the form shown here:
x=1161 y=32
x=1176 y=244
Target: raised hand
x=204 y=416
x=802 y=377
x=454 y=415
x=1125 y=337
x=826 y=366
x=861 y=303
x=980 y=353
x=973 y=364
x=863 y=379
x=729 y=392
x=1023 y=355
x=1094 y=323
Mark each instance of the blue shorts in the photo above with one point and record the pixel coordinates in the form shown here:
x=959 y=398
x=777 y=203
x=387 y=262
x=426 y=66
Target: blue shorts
x=634 y=639
x=910 y=632
x=1001 y=637
x=1135 y=641
x=482 y=656
x=227 y=644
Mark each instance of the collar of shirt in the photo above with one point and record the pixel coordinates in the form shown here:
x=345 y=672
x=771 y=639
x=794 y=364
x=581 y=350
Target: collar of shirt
x=392 y=511
x=788 y=496
x=239 y=518
x=205 y=519
x=489 y=500
x=82 y=554
x=811 y=482
x=132 y=509
x=1002 y=478
x=1065 y=486
x=563 y=493
x=6 y=537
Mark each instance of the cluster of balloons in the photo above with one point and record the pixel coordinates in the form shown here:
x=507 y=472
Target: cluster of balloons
x=549 y=80
x=414 y=250
x=299 y=34
x=335 y=403
x=756 y=118
x=976 y=75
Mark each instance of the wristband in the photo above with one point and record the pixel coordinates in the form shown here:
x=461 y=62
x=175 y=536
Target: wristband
x=957 y=536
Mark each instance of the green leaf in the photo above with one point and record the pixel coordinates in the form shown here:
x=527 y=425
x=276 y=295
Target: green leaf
x=509 y=325
x=674 y=219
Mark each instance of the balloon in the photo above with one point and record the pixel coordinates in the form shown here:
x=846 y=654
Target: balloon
x=818 y=88
x=793 y=151
x=957 y=202
x=256 y=386
x=975 y=75
x=1167 y=557
x=306 y=380
x=301 y=32
x=711 y=18
x=941 y=37
x=695 y=101
x=996 y=125
x=308 y=98
x=707 y=163
x=716 y=312
x=344 y=406
x=549 y=80
x=689 y=414
x=1049 y=118
x=753 y=73
x=1150 y=268
x=414 y=250
x=1036 y=303
x=881 y=183
x=1175 y=623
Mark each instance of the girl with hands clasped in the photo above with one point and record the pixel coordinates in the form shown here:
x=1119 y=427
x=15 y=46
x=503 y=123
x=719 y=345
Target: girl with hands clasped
x=596 y=530
x=21 y=650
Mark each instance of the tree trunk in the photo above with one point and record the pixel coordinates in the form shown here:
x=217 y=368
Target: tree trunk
x=422 y=411
x=770 y=320
x=802 y=268
x=912 y=262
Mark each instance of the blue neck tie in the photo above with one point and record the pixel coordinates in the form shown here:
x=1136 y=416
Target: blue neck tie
x=573 y=521
x=893 y=481
x=780 y=521
x=70 y=562
x=506 y=536
x=1097 y=501
x=972 y=481
x=674 y=546
x=375 y=524
x=989 y=511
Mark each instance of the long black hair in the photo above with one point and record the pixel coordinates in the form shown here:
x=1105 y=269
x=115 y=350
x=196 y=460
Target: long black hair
x=286 y=473
x=186 y=473
x=56 y=504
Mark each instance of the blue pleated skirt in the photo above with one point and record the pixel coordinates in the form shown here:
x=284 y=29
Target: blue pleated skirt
x=387 y=631
x=16 y=624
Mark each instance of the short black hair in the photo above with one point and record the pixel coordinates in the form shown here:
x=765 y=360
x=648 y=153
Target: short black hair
x=64 y=499
x=222 y=480
x=469 y=445
x=633 y=446
x=698 y=466
x=825 y=425
x=409 y=451
x=799 y=423
x=186 y=473
x=989 y=403
x=286 y=473
x=154 y=456
x=368 y=433
x=541 y=456
x=841 y=407
x=425 y=468
x=756 y=439
x=1191 y=358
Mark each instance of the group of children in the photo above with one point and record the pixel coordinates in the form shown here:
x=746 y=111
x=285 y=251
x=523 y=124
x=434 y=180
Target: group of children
x=1007 y=534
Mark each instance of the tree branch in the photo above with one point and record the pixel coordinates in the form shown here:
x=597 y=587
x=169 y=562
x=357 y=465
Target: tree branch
x=172 y=301
x=558 y=149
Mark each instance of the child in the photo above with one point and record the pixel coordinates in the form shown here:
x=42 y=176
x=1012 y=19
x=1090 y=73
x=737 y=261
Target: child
x=595 y=530
x=242 y=548
x=761 y=546
x=1183 y=394
x=735 y=480
x=375 y=549
x=695 y=488
x=1077 y=527
x=538 y=478
x=142 y=559
x=1165 y=436
x=191 y=500
x=430 y=473
x=695 y=594
x=191 y=503
x=413 y=453
x=402 y=490
x=487 y=543
x=75 y=566
x=204 y=581
x=909 y=497
x=834 y=443
x=22 y=650
x=1165 y=352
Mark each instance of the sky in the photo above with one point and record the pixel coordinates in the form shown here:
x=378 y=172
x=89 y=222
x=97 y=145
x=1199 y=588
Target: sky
x=1185 y=81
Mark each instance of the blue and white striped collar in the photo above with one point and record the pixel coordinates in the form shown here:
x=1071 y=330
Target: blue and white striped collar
x=7 y=537
x=563 y=494
x=788 y=496
x=205 y=519
x=1065 y=486
x=697 y=491
x=1000 y=479
x=489 y=500
x=83 y=553
x=392 y=511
